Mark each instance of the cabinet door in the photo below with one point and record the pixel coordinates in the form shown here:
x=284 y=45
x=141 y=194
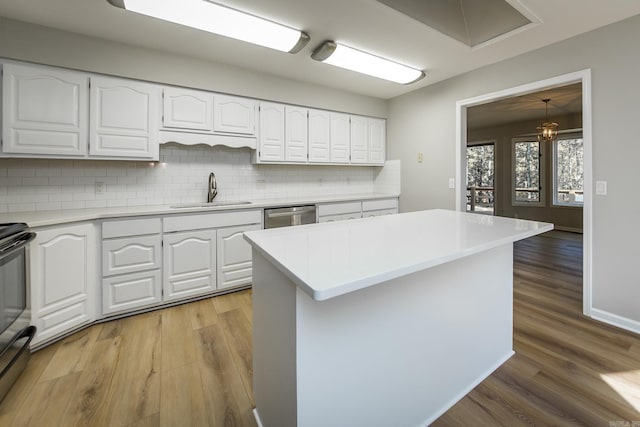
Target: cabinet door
x=376 y=130
x=63 y=278
x=44 y=111
x=131 y=291
x=189 y=264
x=339 y=138
x=123 y=119
x=296 y=134
x=234 y=115
x=271 y=138
x=234 y=256
x=319 y=136
x=187 y=109
x=339 y=217
x=359 y=149
x=130 y=254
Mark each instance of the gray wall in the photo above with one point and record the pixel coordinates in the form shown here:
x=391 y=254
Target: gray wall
x=27 y=42
x=424 y=121
x=569 y=217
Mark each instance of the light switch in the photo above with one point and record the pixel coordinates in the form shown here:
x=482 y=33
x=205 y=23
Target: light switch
x=420 y=157
x=452 y=183
x=601 y=188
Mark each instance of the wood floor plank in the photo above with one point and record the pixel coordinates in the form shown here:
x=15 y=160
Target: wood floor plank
x=227 y=401
x=72 y=353
x=238 y=333
x=182 y=398
x=178 y=344
x=231 y=301
x=203 y=313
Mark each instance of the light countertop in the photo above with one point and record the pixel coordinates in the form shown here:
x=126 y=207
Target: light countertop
x=45 y=218
x=331 y=259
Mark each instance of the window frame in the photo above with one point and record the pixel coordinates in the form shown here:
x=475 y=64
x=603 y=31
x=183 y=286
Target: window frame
x=493 y=142
x=554 y=177
x=541 y=203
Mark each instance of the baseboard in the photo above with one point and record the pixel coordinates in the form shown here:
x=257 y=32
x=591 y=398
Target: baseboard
x=615 y=320
x=468 y=389
x=257 y=417
x=569 y=229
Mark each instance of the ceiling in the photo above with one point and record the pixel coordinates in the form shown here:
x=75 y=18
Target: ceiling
x=563 y=100
x=364 y=24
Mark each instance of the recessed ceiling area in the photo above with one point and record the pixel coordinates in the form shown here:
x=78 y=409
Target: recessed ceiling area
x=564 y=100
x=471 y=22
x=366 y=25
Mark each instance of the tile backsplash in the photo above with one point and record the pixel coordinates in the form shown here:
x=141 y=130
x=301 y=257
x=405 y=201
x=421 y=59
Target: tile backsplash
x=181 y=176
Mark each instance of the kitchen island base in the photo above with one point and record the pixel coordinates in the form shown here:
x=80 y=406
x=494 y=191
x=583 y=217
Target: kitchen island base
x=396 y=354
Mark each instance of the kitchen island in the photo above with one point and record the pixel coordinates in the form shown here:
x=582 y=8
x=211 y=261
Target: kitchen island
x=384 y=321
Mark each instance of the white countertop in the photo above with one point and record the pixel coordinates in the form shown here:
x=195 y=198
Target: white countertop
x=331 y=259
x=45 y=218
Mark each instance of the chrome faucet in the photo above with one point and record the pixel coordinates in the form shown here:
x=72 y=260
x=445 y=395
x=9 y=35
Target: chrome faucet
x=213 y=188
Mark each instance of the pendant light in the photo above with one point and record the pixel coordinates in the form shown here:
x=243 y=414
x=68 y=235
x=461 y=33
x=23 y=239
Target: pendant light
x=547 y=131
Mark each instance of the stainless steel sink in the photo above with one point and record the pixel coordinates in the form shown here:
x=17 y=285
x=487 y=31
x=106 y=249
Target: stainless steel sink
x=210 y=204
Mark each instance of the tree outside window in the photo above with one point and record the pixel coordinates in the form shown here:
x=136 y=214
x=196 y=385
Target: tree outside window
x=568 y=180
x=527 y=173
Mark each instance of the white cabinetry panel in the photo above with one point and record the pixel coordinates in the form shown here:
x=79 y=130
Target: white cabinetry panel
x=131 y=254
x=233 y=114
x=44 y=111
x=63 y=277
x=296 y=134
x=123 y=118
x=319 y=136
x=131 y=291
x=340 y=136
x=271 y=139
x=189 y=264
x=359 y=140
x=376 y=130
x=234 y=256
x=187 y=109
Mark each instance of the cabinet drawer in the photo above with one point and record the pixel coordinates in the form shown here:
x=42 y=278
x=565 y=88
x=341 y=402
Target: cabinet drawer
x=380 y=212
x=339 y=217
x=131 y=254
x=210 y=220
x=131 y=291
x=339 y=208
x=373 y=205
x=130 y=227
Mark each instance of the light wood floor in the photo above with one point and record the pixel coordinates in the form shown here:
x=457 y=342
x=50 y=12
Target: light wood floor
x=191 y=365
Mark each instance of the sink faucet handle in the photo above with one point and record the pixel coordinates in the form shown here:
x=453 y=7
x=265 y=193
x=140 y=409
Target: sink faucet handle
x=213 y=187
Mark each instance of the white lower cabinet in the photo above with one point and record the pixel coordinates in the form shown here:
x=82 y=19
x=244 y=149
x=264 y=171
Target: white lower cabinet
x=379 y=207
x=189 y=263
x=131 y=262
x=62 y=271
x=234 y=256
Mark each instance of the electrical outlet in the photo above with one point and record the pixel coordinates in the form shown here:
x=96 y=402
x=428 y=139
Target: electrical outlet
x=101 y=187
x=452 y=183
x=420 y=157
x=601 y=188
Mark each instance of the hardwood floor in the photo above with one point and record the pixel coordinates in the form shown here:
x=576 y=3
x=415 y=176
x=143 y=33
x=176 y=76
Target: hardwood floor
x=191 y=365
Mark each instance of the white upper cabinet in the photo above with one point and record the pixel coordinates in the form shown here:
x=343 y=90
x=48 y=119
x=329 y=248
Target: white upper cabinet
x=376 y=129
x=187 y=109
x=233 y=114
x=123 y=118
x=359 y=140
x=296 y=134
x=319 y=136
x=271 y=139
x=340 y=136
x=44 y=111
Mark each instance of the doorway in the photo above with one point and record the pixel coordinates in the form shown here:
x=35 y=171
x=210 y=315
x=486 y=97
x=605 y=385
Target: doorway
x=584 y=78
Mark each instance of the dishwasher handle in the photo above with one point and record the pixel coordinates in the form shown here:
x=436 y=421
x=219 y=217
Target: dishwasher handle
x=289 y=213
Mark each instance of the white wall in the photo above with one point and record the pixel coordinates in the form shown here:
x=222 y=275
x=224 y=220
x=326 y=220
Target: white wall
x=424 y=121
x=34 y=43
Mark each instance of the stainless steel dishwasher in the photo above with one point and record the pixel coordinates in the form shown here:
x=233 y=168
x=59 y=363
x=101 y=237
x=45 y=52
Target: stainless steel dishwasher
x=291 y=215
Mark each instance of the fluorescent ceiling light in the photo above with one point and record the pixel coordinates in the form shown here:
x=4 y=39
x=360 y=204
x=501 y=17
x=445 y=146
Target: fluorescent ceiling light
x=214 y=18
x=365 y=63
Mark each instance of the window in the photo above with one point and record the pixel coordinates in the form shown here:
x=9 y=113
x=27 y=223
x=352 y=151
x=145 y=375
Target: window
x=568 y=175
x=527 y=173
x=480 y=170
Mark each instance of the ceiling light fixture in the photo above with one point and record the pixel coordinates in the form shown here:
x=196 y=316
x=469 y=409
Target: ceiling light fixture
x=547 y=131
x=225 y=21
x=352 y=59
